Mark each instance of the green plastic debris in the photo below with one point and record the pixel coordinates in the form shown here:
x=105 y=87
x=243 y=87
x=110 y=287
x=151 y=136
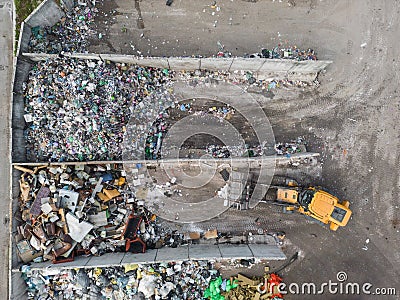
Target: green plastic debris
x=213 y=292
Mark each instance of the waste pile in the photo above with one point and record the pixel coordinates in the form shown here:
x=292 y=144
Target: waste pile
x=70 y=34
x=176 y=281
x=155 y=135
x=218 y=151
x=83 y=210
x=281 y=52
x=237 y=77
x=77 y=110
x=290 y=147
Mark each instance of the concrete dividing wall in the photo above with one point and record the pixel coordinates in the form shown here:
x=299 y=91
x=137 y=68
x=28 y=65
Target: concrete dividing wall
x=34 y=57
x=166 y=254
x=281 y=68
x=83 y=55
x=224 y=64
x=18 y=287
x=184 y=63
x=14 y=259
x=23 y=66
x=157 y=62
x=261 y=67
x=24 y=37
x=46 y=14
x=194 y=252
x=22 y=69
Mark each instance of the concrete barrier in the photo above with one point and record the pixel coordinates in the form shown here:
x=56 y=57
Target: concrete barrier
x=277 y=65
x=83 y=55
x=166 y=254
x=47 y=13
x=35 y=57
x=246 y=64
x=183 y=63
x=155 y=62
x=223 y=64
x=265 y=67
x=24 y=37
x=22 y=68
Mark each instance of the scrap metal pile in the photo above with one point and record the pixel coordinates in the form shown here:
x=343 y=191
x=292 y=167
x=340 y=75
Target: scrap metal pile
x=83 y=209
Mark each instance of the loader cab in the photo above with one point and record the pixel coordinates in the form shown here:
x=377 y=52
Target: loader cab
x=305 y=198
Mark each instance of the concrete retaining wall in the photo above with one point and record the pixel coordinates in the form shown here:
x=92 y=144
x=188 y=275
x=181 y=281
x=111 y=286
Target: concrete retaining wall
x=270 y=68
x=46 y=14
x=24 y=36
x=23 y=66
x=187 y=252
x=18 y=287
x=278 y=68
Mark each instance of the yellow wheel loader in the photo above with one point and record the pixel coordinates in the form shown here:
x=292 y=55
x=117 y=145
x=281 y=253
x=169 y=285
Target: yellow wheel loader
x=314 y=203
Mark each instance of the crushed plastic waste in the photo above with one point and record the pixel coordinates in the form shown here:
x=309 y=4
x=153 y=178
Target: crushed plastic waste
x=290 y=148
x=78 y=109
